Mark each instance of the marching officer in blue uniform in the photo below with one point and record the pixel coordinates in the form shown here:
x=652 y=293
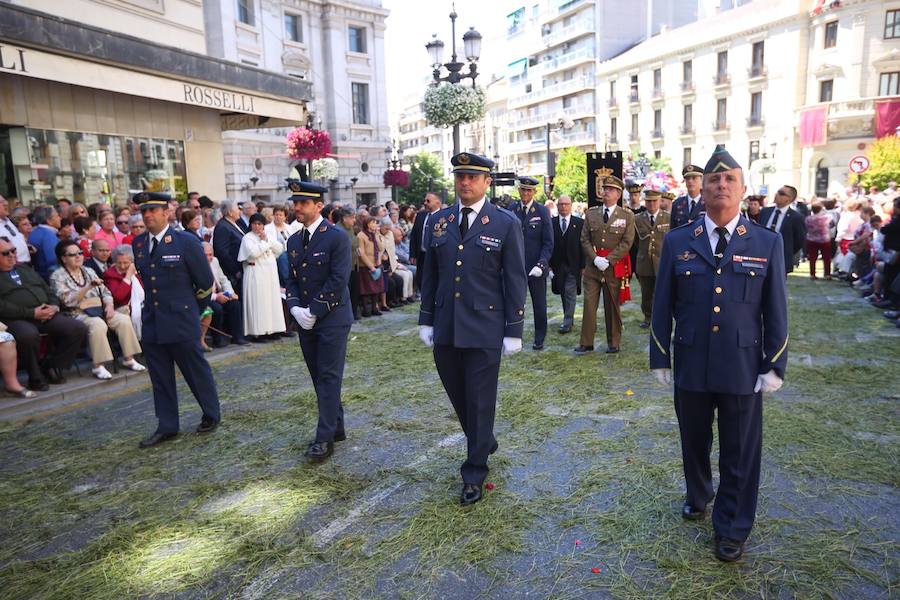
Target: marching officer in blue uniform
x=537 y=229
x=473 y=307
x=176 y=277
x=318 y=297
x=688 y=208
x=722 y=280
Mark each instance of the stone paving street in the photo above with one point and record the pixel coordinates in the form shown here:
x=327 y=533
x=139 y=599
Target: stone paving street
x=587 y=484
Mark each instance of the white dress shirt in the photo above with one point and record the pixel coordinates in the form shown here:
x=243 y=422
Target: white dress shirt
x=9 y=230
x=714 y=236
x=775 y=215
x=476 y=208
x=314 y=227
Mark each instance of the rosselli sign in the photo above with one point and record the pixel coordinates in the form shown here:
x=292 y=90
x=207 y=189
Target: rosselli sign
x=65 y=69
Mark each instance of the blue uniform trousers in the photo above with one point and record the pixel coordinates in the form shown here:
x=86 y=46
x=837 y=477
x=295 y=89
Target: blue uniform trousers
x=470 y=377
x=537 y=287
x=740 y=448
x=161 y=361
x=325 y=351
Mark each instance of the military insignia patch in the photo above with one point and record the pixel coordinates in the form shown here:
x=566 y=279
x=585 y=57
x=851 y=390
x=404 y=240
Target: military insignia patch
x=451 y=217
x=322 y=228
x=741 y=230
x=168 y=239
x=686 y=256
x=485 y=220
x=698 y=230
x=463 y=159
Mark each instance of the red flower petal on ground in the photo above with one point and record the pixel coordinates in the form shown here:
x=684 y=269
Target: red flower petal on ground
x=577 y=542
x=595 y=570
x=489 y=486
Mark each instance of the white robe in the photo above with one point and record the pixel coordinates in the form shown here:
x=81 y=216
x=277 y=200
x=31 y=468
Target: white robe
x=262 y=292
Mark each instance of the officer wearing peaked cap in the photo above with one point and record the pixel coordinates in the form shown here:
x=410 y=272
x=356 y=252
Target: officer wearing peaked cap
x=537 y=229
x=176 y=277
x=473 y=307
x=722 y=281
x=318 y=297
x=650 y=227
x=688 y=208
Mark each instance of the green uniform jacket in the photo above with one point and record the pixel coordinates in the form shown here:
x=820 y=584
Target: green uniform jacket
x=17 y=302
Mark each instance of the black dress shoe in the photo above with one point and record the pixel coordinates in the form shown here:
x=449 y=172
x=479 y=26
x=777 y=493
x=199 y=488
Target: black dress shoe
x=471 y=494
x=564 y=330
x=537 y=346
x=207 y=425
x=340 y=436
x=241 y=341
x=728 y=550
x=53 y=375
x=612 y=350
x=319 y=451
x=38 y=385
x=494 y=448
x=583 y=350
x=156 y=438
x=644 y=325
x=692 y=514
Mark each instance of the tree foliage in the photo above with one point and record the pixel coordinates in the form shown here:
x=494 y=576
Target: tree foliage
x=424 y=168
x=571 y=175
x=884 y=156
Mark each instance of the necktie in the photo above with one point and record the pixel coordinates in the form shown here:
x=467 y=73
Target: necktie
x=721 y=244
x=606 y=215
x=776 y=218
x=651 y=221
x=464 y=221
x=306 y=237
x=152 y=245
x=690 y=206
x=565 y=224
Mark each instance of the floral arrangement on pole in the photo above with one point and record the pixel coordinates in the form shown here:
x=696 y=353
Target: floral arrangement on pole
x=397 y=177
x=447 y=104
x=308 y=144
x=325 y=168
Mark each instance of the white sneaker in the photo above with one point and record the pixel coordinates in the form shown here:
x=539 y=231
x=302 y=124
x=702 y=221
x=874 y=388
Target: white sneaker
x=134 y=365
x=101 y=373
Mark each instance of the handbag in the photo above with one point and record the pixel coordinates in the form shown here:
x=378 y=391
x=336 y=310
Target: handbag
x=92 y=307
x=376 y=274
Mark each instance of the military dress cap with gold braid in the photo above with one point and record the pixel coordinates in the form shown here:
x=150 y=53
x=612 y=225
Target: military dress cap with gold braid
x=668 y=195
x=691 y=170
x=721 y=161
x=147 y=200
x=304 y=190
x=473 y=164
x=613 y=182
x=528 y=183
x=634 y=188
x=652 y=194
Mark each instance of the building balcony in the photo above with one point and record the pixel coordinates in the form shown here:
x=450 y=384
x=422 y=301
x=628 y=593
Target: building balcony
x=612 y=103
x=552 y=91
x=613 y=140
x=850 y=119
x=721 y=80
x=757 y=72
x=564 y=61
x=633 y=136
x=634 y=97
x=573 y=138
x=687 y=87
x=755 y=121
x=719 y=126
x=576 y=29
x=658 y=94
x=526 y=146
x=686 y=130
x=656 y=134
x=551 y=116
x=565 y=9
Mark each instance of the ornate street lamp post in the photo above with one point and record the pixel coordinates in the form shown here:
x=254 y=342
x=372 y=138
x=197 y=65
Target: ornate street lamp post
x=472 y=50
x=394 y=163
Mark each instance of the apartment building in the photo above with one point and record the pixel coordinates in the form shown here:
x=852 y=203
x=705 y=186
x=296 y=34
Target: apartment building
x=338 y=48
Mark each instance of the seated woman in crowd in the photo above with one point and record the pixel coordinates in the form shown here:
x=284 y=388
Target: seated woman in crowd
x=818 y=239
x=122 y=281
x=8 y=365
x=108 y=231
x=261 y=290
x=371 y=279
x=83 y=296
x=24 y=226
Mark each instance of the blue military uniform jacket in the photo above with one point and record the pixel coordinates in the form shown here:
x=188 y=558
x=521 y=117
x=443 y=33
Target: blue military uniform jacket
x=473 y=289
x=731 y=319
x=319 y=276
x=680 y=214
x=176 y=277
x=537 y=229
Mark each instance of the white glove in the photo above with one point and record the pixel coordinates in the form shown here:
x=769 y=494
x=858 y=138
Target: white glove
x=511 y=345
x=664 y=376
x=304 y=318
x=536 y=272
x=426 y=334
x=601 y=263
x=768 y=382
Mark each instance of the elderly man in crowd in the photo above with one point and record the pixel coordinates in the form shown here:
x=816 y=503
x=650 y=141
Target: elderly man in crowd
x=99 y=261
x=29 y=308
x=227 y=237
x=248 y=209
x=8 y=229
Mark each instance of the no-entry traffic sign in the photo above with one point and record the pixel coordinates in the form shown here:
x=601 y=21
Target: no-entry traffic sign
x=859 y=164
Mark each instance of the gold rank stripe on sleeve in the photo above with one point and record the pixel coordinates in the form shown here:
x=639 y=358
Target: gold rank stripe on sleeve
x=783 y=347
x=515 y=322
x=658 y=345
x=201 y=294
